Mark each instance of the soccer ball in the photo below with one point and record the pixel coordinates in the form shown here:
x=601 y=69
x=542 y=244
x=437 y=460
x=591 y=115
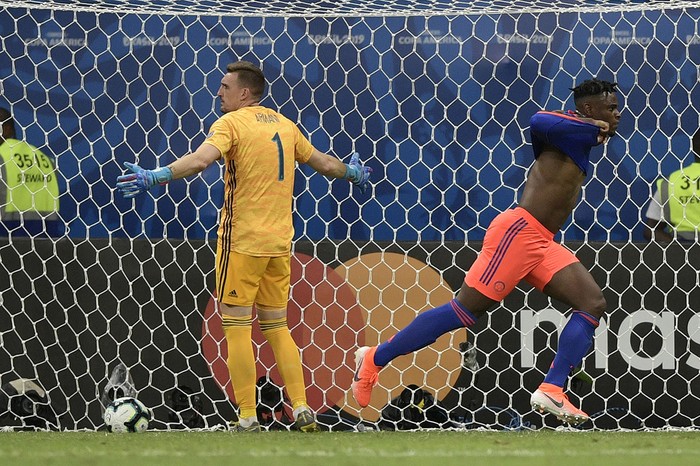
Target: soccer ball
x=127 y=414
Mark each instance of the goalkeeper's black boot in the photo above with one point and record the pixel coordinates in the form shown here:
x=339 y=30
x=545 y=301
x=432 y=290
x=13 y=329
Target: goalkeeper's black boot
x=237 y=427
x=305 y=421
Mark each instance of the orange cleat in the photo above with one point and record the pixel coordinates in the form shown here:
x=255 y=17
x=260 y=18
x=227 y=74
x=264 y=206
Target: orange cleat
x=552 y=399
x=366 y=375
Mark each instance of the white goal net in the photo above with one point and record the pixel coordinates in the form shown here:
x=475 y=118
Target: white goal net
x=100 y=294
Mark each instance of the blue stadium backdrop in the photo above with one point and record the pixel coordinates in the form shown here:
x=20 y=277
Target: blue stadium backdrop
x=96 y=91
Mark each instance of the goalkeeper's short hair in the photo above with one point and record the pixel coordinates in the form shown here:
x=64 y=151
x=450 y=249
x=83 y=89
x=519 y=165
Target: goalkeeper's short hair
x=249 y=75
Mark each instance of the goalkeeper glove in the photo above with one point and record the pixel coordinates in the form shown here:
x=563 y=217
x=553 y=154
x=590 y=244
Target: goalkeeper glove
x=357 y=173
x=140 y=180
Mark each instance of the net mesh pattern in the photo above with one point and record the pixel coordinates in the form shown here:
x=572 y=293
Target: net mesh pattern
x=116 y=296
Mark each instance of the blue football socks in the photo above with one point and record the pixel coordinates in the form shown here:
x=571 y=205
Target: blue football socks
x=574 y=342
x=424 y=330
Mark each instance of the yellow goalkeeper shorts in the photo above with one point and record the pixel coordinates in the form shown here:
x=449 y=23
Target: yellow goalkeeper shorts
x=243 y=280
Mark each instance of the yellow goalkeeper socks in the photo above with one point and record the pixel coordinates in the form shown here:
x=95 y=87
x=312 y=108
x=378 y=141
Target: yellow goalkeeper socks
x=241 y=362
x=287 y=357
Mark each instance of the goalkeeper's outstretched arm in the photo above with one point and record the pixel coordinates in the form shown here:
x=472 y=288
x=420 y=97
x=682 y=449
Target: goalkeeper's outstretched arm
x=141 y=180
x=193 y=163
x=355 y=171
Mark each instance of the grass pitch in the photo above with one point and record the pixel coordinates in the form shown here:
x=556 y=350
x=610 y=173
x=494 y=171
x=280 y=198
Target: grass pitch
x=434 y=448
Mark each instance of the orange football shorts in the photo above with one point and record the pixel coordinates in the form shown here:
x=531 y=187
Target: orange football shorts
x=516 y=247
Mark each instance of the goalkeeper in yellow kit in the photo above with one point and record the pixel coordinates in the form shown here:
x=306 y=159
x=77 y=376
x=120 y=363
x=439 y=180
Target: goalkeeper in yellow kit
x=259 y=148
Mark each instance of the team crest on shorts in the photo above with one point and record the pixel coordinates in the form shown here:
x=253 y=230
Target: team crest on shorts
x=499 y=286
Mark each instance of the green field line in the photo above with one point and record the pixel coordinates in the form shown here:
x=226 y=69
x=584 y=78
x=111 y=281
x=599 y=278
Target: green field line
x=433 y=448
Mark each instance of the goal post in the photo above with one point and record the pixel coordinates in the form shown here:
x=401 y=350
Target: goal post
x=436 y=97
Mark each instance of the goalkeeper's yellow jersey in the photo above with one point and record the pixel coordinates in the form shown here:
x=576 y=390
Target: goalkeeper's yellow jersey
x=259 y=147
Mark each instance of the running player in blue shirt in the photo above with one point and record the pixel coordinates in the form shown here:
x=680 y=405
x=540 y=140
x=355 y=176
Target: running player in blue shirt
x=519 y=246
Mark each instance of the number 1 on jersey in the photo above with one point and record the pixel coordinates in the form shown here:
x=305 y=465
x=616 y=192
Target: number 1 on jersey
x=280 y=153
